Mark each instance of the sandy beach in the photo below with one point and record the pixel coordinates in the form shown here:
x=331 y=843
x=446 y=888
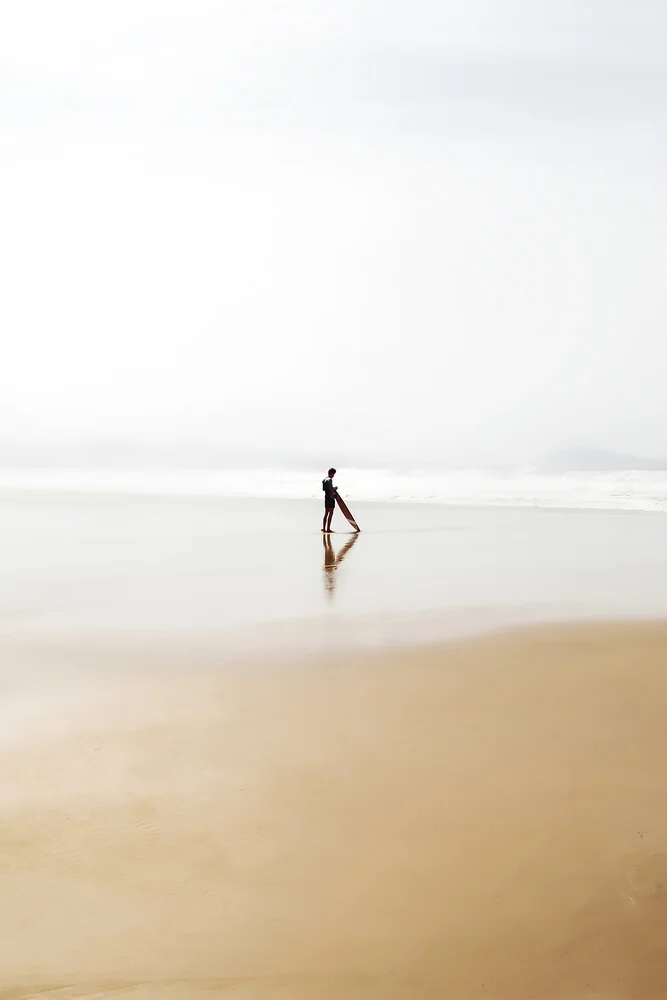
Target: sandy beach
x=476 y=819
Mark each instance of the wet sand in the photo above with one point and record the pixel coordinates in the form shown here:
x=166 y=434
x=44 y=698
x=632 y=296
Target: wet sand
x=479 y=819
x=81 y=564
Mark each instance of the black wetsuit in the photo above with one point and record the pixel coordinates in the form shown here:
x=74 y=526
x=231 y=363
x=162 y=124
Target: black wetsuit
x=329 y=494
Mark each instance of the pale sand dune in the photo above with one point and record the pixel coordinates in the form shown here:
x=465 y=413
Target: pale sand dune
x=485 y=819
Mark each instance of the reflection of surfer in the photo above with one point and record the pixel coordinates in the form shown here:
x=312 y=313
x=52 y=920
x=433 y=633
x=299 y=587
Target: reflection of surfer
x=329 y=499
x=329 y=567
x=332 y=562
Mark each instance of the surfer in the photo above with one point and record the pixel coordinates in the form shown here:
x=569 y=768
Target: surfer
x=329 y=500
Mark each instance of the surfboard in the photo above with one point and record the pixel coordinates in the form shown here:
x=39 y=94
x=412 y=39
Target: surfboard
x=346 y=511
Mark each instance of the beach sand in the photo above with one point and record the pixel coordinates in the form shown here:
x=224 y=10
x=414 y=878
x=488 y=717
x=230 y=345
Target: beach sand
x=480 y=819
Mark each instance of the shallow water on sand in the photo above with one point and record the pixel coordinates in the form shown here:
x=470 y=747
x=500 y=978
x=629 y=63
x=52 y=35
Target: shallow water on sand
x=85 y=562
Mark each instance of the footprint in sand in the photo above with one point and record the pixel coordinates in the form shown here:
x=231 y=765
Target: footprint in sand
x=645 y=877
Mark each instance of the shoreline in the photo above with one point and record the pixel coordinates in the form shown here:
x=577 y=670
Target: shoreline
x=297 y=641
x=479 y=818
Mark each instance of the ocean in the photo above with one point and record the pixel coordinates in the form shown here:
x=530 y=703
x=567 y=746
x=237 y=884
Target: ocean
x=625 y=490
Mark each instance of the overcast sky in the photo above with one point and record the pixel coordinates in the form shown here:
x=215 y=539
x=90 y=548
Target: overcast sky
x=362 y=228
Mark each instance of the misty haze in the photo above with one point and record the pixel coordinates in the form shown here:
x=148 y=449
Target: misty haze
x=450 y=219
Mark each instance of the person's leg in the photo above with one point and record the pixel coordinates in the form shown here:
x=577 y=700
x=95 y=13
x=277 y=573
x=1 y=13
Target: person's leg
x=324 y=521
x=330 y=513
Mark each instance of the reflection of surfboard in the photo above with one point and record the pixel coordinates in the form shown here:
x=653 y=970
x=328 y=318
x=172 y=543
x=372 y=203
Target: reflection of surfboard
x=346 y=511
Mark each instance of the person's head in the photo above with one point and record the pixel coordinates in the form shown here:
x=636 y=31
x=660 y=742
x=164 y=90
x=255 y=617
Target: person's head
x=331 y=473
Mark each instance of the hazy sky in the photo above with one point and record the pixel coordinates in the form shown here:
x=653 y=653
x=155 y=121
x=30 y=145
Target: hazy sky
x=390 y=228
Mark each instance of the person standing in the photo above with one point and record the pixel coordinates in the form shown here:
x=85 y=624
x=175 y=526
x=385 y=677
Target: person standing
x=329 y=500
